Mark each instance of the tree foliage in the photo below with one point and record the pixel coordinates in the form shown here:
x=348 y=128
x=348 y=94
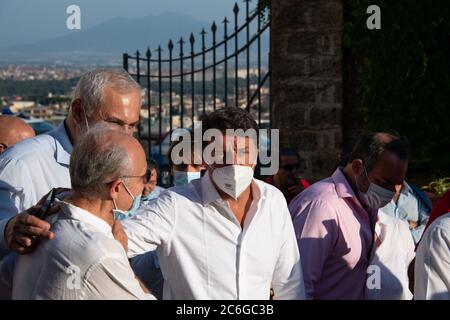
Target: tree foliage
x=405 y=74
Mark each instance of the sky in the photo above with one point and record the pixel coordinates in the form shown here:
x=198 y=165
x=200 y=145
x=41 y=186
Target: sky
x=29 y=21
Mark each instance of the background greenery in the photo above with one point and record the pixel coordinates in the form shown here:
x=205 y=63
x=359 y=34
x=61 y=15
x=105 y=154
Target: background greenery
x=404 y=74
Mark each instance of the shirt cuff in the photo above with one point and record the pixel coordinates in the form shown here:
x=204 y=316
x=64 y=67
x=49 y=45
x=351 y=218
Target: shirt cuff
x=3 y=249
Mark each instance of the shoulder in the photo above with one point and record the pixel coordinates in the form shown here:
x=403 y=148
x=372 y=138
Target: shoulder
x=28 y=150
x=440 y=228
x=269 y=191
x=324 y=189
x=84 y=242
x=436 y=239
x=320 y=195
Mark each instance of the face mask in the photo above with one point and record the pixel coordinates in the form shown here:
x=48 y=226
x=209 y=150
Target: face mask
x=182 y=178
x=121 y=214
x=150 y=196
x=375 y=197
x=233 y=180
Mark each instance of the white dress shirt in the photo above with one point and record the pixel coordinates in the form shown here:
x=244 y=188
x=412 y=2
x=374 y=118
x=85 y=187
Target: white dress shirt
x=84 y=261
x=31 y=168
x=432 y=269
x=392 y=257
x=205 y=254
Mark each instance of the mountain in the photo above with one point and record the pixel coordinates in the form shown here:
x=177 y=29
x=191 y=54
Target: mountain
x=110 y=39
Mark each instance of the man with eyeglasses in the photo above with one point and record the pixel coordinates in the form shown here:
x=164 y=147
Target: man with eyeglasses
x=12 y=131
x=33 y=167
x=286 y=179
x=84 y=261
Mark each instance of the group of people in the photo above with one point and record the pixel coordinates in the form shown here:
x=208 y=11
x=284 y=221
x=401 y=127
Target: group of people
x=219 y=233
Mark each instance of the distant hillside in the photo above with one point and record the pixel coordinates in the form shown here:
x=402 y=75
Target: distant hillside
x=110 y=39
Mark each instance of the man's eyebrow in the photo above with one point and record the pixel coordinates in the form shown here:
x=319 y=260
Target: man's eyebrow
x=120 y=121
x=114 y=119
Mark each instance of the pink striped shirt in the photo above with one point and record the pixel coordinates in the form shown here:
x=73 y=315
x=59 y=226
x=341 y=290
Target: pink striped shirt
x=334 y=235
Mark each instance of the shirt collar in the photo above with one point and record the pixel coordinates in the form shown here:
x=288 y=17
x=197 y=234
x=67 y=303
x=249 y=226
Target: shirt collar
x=343 y=188
x=77 y=213
x=63 y=145
x=210 y=194
x=406 y=189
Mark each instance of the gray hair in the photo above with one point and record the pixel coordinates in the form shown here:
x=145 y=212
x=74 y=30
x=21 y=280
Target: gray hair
x=91 y=87
x=97 y=159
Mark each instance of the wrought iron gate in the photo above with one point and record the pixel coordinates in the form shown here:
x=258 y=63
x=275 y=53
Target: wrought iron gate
x=187 y=83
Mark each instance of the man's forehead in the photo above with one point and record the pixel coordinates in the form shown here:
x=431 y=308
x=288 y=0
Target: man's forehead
x=237 y=139
x=391 y=168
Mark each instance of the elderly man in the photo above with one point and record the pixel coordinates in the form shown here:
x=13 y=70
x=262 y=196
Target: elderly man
x=226 y=235
x=32 y=167
x=13 y=130
x=84 y=261
x=334 y=219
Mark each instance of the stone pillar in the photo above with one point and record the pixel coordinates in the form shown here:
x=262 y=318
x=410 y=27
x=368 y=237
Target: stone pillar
x=306 y=81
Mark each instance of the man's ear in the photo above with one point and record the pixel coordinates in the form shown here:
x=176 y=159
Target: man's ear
x=357 y=166
x=114 y=188
x=77 y=111
x=2 y=148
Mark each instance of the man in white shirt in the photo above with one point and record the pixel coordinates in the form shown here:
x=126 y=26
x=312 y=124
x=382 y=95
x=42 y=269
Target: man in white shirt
x=29 y=169
x=84 y=261
x=432 y=266
x=394 y=251
x=226 y=235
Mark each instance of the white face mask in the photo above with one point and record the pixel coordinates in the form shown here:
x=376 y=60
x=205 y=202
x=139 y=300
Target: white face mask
x=375 y=197
x=233 y=179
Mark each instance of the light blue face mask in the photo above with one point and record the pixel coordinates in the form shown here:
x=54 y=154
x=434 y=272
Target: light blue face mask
x=181 y=178
x=150 y=196
x=121 y=214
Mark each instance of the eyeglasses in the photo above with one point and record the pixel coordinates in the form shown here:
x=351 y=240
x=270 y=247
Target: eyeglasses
x=290 y=167
x=146 y=177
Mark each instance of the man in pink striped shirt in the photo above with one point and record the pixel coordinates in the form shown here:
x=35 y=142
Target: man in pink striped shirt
x=334 y=219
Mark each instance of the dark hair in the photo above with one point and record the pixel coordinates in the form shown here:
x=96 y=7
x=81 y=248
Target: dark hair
x=152 y=164
x=289 y=152
x=371 y=147
x=229 y=118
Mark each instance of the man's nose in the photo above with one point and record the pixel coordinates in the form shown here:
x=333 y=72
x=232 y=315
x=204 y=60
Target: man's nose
x=128 y=129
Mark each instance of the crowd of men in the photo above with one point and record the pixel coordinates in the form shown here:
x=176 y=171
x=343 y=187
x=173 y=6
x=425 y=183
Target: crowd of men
x=82 y=217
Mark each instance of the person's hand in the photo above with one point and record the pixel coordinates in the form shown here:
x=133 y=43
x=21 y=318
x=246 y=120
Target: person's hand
x=23 y=232
x=412 y=224
x=120 y=235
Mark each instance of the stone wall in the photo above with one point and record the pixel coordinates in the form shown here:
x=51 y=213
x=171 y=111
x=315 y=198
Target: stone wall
x=306 y=80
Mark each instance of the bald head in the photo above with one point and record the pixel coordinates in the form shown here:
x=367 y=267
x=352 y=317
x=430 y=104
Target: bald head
x=371 y=147
x=13 y=130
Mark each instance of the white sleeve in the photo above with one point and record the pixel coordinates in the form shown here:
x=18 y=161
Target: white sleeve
x=287 y=281
x=432 y=276
x=113 y=279
x=152 y=226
